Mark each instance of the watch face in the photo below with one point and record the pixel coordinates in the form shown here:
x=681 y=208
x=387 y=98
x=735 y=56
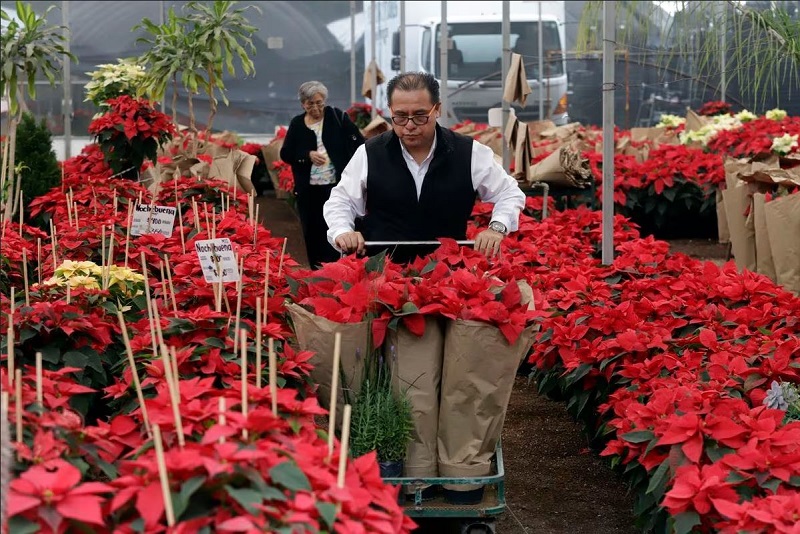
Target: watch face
x=498 y=227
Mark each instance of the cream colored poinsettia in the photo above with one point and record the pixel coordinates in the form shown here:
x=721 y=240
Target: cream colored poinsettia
x=776 y=114
x=784 y=144
x=746 y=116
x=670 y=121
x=111 y=80
x=708 y=131
x=122 y=281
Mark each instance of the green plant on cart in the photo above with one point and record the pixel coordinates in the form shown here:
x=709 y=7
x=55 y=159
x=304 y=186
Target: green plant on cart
x=381 y=420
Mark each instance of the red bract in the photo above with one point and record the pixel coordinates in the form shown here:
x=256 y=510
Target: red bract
x=699 y=489
x=56 y=495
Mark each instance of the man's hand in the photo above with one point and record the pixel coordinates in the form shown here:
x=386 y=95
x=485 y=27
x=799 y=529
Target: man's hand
x=317 y=158
x=351 y=242
x=488 y=242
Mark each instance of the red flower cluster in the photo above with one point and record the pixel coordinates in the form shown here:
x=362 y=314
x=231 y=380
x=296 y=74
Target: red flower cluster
x=715 y=107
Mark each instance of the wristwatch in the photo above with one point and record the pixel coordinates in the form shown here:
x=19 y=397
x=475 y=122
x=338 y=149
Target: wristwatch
x=497 y=226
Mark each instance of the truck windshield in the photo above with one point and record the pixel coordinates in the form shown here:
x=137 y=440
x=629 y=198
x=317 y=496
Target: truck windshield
x=477 y=48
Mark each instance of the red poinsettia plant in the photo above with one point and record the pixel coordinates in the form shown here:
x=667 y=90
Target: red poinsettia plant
x=131 y=131
x=714 y=107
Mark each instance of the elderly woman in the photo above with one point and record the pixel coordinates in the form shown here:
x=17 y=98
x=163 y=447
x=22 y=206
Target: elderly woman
x=319 y=143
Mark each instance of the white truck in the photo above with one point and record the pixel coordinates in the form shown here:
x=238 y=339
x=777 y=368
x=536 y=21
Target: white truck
x=474 y=83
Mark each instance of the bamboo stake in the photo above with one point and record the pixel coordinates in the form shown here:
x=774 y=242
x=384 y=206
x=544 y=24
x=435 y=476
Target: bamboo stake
x=132 y=363
x=69 y=293
x=25 y=276
x=218 y=287
x=110 y=261
x=222 y=420
x=39 y=258
x=250 y=210
x=21 y=213
x=259 y=337
x=164 y=287
x=115 y=203
x=208 y=223
x=255 y=227
x=69 y=208
x=175 y=375
x=266 y=287
x=10 y=347
x=283 y=253
x=273 y=377
x=18 y=401
x=94 y=200
x=239 y=285
x=180 y=223
x=171 y=287
x=173 y=397
x=337 y=349
x=39 y=396
x=128 y=232
x=54 y=244
x=103 y=254
x=196 y=215
x=77 y=220
x=162 y=475
x=243 y=348
x=345 y=446
x=150 y=321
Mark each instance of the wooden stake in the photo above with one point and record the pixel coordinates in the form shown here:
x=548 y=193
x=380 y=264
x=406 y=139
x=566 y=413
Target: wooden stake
x=162 y=474
x=21 y=213
x=208 y=222
x=171 y=287
x=273 y=377
x=128 y=232
x=69 y=208
x=110 y=261
x=175 y=374
x=10 y=348
x=39 y=258
x=239 y=285
x=69 y=293
x=196 y=215
x=54 y=243
x=266 y=287
x=39 y=396
x=255 y=227
x=18 y=402
x=345 y=446
x=180 y=224
x=243 y=348
x=25 y=275
x=132 y=363
x=337 y=349
x=259 y=338
x=153 y=338
x=174 y=396
x=77 y=220
x=283 y=253
x=103 y=254
x=222 y=420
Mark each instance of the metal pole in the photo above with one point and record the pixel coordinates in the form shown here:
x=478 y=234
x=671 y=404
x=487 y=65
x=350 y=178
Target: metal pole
x=443 y=49
x=352 y=52
x=373 y=65
x=402 y=36
x=541 y=67
x=723 y=83
x=67 y=107
x=505 y=65
x=609 y=36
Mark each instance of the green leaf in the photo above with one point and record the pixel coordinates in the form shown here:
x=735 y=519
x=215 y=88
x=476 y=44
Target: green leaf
x=51 y=354
x=20 y=525
x=658 y=480
x=246 y=497
x=77 y=359
x=288 y=475
x=327 y=511
x=181 y=499
x=638 y=436
x=685 y=522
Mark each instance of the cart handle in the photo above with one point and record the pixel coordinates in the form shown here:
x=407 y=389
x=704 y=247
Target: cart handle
x=410 y=243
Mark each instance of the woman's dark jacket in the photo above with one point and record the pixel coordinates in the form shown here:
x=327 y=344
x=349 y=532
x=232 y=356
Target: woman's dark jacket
x=339 y=135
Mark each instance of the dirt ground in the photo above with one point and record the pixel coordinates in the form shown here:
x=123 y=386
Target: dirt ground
x=554 y=483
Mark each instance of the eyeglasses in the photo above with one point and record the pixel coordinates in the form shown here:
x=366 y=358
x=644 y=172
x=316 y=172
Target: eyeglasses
x=419 y=120
x=315 y=104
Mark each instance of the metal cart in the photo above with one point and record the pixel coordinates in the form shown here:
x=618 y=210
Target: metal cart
x=476 y=518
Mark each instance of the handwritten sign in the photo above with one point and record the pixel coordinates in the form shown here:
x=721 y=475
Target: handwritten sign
x=216 y=256
x=150 y=219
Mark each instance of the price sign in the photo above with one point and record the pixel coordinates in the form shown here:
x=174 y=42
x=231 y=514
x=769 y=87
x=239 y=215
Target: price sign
x=216 y=257
x=149 y=219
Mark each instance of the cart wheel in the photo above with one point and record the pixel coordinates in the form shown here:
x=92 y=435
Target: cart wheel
x=485 y=526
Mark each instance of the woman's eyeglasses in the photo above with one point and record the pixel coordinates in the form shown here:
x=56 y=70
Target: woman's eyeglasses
x=419 y=120
x=315 y=104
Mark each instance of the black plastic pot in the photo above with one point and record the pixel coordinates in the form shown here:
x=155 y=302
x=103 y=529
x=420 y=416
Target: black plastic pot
x=392 y=469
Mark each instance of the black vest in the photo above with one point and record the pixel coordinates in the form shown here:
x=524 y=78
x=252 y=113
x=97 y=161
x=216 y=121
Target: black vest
x=393 y=212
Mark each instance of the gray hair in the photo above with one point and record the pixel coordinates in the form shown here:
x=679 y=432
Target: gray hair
x=309 y=89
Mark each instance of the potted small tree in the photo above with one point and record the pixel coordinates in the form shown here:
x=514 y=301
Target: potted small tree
x=381 y=419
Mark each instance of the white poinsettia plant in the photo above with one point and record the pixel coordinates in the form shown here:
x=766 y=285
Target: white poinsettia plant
x=670 y=121
x=707 y=132
x=776 y=114
x=114 y=79
x=784 y=144
x=121 y=281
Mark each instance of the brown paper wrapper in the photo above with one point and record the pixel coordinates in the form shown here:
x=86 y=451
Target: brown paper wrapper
x=477 y=378
x=517 y=88
x=764 y=263
x=743 y=235
x=366 y=84
x=417 y=363
x=783 y=226
x=565 y=167
x=723 y=234
x=316 y=334
x=377 y=126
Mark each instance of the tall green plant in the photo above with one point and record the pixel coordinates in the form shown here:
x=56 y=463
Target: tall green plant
x=762 y=48
x=29 y=47
x=40 y=171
